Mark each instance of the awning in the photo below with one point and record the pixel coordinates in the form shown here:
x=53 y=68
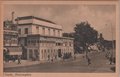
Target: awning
x=15 y=50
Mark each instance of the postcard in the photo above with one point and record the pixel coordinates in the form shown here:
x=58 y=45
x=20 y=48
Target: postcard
x=59 y=38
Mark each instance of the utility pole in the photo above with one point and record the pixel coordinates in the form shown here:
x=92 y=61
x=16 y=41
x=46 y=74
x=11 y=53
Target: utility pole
x=112 y=50
x=112 y=43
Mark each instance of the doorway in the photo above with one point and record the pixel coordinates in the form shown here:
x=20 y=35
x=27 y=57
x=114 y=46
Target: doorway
x=59 y=53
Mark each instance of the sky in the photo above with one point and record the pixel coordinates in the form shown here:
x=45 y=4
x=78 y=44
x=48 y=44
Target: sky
x=101 y=17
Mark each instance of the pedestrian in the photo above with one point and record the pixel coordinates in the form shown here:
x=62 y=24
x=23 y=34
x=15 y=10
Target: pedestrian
x=89 y=61
x=74 y=57
x=14 y=59
x=19 y=59
x=110 y=59
x=48 y=58
x=55 y=57
x=52 y=60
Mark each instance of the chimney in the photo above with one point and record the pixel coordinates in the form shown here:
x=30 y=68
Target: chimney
x=13 y=17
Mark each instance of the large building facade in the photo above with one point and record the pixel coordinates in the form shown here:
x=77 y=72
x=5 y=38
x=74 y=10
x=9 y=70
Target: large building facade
x=42 y=39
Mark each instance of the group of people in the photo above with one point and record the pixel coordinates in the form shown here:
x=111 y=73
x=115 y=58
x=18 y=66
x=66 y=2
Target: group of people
x=110 y=57
x=52 y=59
x=67 y=55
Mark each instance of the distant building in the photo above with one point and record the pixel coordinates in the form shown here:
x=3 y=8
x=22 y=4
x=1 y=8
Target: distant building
x=42 y=39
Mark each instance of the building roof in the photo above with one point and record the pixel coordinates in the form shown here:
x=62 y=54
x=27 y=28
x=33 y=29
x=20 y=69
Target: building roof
x=33 y=17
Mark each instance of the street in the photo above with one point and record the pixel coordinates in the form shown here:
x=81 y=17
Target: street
x=99 y=64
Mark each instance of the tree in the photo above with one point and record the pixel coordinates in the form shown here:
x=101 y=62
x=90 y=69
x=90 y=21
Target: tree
x=68 y=34
x=84 y=36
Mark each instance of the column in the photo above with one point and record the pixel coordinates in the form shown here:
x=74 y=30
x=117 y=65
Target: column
x=27 y=54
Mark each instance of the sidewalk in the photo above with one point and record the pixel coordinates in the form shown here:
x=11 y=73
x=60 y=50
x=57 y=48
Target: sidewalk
x=29 y=62
x=23 y=63
x=11 y=64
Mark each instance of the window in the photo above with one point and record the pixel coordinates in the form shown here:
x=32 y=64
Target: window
x=59 y=44
x=38 y=41
x=42 y=54
x=28 y=41
x=66 y=44
x=54 y=32
x=51 y=52
x=36 y=54
x=31 y=41
x=37 y=29
x=15 y=41
x=30 y=53
x=58 y=33
x=43 y=31
x=34 y=42
x=19 y=31
x=69 y=43
x=48 y=51
x=49 y=32
x=26 y=30
x=42 y=44
x=45 y=54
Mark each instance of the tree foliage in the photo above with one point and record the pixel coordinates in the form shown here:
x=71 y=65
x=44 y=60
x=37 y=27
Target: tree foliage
x=84 y=36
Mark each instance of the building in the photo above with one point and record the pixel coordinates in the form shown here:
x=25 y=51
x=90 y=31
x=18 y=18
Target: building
x=42 y=39
x=11 y=46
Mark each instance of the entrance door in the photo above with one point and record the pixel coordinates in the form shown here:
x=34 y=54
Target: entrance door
x=30 y=54
x=59 y=53
x=24 y=54
x=36 y=54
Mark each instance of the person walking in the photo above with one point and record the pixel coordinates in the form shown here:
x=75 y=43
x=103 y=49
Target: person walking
x=111 y=60
x=19 y=60
x=48 y=58
x=89 y=61
x=14 y=59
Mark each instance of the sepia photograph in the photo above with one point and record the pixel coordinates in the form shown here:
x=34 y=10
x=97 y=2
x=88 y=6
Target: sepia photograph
x=59 y=38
